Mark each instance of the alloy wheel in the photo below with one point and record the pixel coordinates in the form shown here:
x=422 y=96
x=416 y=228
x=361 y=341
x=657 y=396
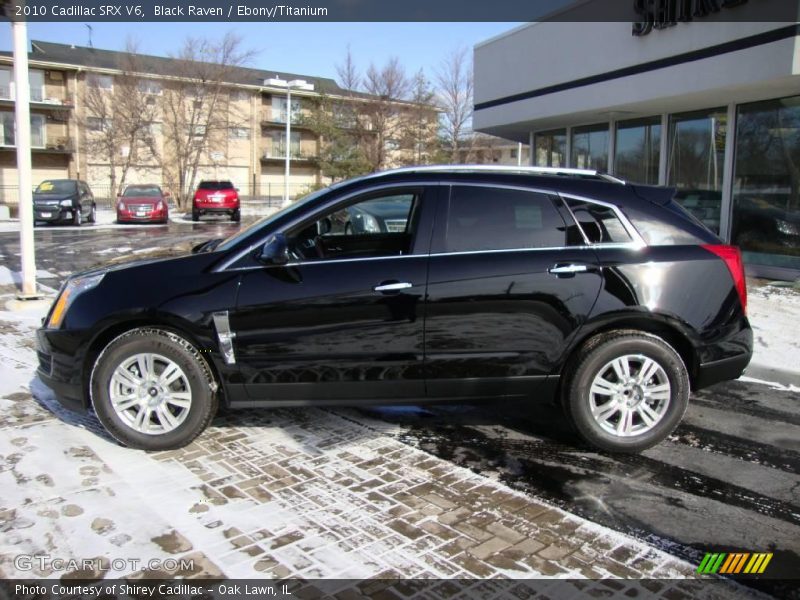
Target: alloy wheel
x=630 y=395
x=150 y=393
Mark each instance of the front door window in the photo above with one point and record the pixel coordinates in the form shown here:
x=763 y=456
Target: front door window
x=377 y=226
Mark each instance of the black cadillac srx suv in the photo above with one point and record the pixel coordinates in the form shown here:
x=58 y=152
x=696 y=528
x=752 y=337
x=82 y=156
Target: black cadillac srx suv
x=518 y=283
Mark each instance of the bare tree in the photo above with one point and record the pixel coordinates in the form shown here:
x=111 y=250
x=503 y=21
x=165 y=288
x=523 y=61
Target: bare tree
x=455 y=95
x=119 y=119
x=387 y=85
x=419 y=134
x=349 y=78
x=196 y=104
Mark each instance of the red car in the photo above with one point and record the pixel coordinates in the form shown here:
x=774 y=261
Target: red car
x=142 y=204
x=216 y=197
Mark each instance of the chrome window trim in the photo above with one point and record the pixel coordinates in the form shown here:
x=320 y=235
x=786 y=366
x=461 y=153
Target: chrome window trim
x=626 y=246
x=637 y=242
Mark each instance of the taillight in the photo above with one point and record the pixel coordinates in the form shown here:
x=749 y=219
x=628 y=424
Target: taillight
x=733 y=259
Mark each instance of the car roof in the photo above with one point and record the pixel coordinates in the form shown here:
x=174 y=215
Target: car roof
x=578 y=182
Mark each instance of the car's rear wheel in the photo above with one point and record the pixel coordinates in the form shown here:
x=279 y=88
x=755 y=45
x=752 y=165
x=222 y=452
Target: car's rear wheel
x=236 y=216
x=152 y=390
x=627 y=391
x=195 y=215
x=93 y=214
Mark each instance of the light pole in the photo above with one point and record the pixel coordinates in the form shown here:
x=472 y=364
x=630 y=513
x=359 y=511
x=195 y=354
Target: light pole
x=23 y=143
x=299 y=84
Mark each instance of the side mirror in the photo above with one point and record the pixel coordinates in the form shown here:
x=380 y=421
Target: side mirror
x=275 y=251
x=167 y=195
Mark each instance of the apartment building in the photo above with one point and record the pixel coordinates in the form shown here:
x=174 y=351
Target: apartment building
x=75 y=91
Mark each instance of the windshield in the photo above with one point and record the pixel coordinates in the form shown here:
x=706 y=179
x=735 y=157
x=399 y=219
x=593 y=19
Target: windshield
x=231 y=241
x=140 y=191
x=56 y=186
x=215 y=185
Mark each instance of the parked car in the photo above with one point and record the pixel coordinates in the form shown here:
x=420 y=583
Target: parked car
x=383 y=215
x=216 y=197
x=515 y=283
x=63 y=200
x=142 y=203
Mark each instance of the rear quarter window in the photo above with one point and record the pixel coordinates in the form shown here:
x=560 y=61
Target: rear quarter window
x=600 y=224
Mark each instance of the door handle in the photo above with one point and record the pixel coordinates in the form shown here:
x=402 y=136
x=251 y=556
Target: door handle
x=393 y=286
x=570 y=269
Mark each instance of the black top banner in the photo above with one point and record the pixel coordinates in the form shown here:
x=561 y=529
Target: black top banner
x=657 y=13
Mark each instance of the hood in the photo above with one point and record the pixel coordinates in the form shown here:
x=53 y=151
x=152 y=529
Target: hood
x=140 y=199
x=49 y=198
x=127 y=261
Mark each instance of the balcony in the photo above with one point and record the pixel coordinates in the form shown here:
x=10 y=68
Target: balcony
x=271 y=118
x=59 y=145
x=277 y=153
x=39 y=99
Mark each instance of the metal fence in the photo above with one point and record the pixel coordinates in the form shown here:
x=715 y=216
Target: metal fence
x=264 y=194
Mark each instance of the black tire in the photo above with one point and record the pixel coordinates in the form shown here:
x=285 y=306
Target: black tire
x=195 y=215
x=593 y=359
x=92 y=214
x=77 y=218
x=236 y=216
x=202 y=388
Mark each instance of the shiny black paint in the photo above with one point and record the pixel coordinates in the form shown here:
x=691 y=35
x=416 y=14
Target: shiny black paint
x=494 y=323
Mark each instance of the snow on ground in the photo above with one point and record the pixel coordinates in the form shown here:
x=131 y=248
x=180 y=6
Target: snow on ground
x=774 y=314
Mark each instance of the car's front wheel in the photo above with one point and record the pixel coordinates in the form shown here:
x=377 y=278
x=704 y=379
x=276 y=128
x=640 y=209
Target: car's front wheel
x=77 y=218
x=152 y=390
x=627 y=391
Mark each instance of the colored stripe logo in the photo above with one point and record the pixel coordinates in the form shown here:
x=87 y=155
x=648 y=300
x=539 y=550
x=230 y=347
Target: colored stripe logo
x=734 y=563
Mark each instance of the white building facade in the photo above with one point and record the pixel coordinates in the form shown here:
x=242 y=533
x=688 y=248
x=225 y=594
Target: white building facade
x=709 y=107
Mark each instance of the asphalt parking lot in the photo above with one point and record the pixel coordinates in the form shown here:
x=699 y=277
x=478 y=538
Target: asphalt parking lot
x=728 y=478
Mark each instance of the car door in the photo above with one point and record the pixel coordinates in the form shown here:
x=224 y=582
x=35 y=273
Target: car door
x=505 y=292
x=344 y=318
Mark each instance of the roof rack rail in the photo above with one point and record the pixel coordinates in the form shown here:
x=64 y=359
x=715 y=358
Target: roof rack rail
x=564 y=172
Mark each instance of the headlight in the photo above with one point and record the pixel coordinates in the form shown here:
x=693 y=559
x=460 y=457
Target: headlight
x=371 y=224
x=73 y=289
x=66 y=203
x=122 y=206
x=787 y=227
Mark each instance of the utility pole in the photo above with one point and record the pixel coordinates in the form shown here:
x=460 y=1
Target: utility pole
x=22 y=114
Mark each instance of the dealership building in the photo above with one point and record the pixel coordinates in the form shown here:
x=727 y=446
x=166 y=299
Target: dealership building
x=711 y=107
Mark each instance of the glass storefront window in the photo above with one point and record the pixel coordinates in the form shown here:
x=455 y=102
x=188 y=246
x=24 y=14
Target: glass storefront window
x=637 y=152
x=550 y=148
x=590 y=147
x=696 y=160
x=766 y=184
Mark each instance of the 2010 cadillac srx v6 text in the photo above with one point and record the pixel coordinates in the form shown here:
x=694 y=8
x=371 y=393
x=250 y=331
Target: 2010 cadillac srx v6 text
x=515 y=283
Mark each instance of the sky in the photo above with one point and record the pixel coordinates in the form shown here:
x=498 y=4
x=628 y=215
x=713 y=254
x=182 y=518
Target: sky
x=312 y=49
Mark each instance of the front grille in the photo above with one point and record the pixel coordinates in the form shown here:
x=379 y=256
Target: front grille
x=396 y=225
x=45 y=362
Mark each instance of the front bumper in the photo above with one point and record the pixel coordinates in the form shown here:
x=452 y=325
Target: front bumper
x=134 y=217
x=60 y=369
x=52 y=215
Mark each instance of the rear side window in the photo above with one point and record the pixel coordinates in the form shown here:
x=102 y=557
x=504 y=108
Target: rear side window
x=483 y=218
x=600 y=224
